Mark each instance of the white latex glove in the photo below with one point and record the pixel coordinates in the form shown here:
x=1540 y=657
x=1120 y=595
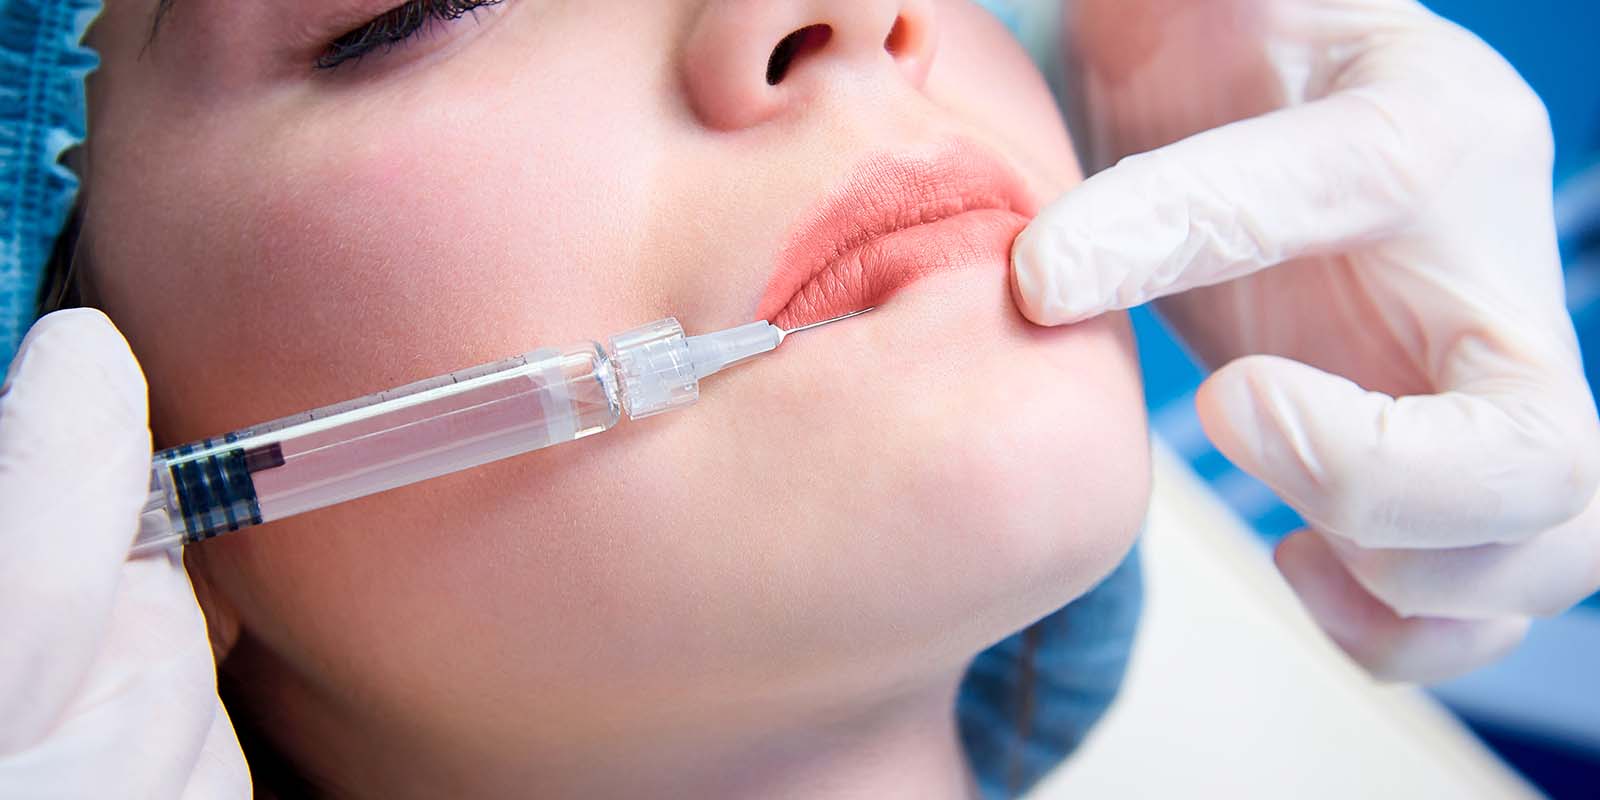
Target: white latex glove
x=107 y=684
x=1383 y=291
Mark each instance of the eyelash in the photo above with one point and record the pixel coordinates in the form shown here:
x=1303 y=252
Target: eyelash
x=394 y=28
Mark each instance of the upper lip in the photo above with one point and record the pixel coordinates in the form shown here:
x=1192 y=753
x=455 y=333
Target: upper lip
x=886 y=194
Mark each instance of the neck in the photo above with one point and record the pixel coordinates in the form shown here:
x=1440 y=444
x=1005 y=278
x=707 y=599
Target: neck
x=902 y=746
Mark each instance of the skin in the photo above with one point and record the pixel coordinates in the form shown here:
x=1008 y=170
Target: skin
x=773 y=594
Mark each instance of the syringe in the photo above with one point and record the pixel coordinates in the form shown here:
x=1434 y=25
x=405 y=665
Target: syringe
x=433 y=427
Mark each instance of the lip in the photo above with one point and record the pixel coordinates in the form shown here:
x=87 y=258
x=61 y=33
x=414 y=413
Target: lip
x=896 y=220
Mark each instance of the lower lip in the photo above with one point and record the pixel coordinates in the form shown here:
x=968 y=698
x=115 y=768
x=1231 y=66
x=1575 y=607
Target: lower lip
x=872 y=273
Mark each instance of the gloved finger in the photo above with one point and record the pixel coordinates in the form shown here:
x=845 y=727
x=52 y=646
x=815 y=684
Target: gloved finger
x=148 y=704
x=74 y=472
x=1391 y=647
x=158 y=669
x=1319 y=177
x=1429 y=471
x=1541 y=577
x=1216 y=206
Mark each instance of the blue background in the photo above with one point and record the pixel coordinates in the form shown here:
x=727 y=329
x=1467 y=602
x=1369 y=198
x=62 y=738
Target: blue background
x=1541 y=707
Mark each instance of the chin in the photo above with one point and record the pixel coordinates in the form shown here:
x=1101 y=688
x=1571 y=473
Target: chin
x=995 y=469
x=1045 y=481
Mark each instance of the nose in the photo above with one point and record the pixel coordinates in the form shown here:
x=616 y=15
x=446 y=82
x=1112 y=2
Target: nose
x=749 y=61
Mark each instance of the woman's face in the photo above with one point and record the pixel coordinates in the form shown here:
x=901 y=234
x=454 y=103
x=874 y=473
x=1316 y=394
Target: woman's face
x=852 y=517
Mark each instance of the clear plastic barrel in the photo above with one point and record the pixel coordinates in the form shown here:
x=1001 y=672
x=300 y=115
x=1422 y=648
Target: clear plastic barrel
x=376 y=443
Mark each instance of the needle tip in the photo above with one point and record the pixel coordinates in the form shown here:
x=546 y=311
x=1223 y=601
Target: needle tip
x=784 y=333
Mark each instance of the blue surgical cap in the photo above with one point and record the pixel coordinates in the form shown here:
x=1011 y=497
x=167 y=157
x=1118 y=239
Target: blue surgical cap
x=43 y=65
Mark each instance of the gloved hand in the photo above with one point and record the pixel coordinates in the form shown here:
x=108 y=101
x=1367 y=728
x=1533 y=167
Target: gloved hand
x=1370 y=255
x=107 y=684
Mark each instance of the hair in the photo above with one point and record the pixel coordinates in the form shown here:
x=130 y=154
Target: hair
x=60 y=287
x=273 y=775
x=160 y=16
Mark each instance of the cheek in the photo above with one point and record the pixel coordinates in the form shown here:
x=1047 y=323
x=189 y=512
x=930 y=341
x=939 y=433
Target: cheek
x=447 y=228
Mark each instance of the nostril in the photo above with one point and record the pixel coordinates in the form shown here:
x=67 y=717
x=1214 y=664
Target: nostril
x=899 y=38
x=806 y=40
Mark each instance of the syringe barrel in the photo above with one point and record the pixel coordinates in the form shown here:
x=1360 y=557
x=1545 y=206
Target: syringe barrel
x=380 y=442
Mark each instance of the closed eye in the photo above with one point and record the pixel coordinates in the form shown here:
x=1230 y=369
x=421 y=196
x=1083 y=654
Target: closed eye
x=396 y=27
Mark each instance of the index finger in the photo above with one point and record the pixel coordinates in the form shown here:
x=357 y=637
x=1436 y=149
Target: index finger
x=1349 y=168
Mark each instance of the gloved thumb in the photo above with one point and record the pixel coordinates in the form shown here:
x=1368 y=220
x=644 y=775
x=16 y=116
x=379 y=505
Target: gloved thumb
x=74 y=472
x=1424 y=471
